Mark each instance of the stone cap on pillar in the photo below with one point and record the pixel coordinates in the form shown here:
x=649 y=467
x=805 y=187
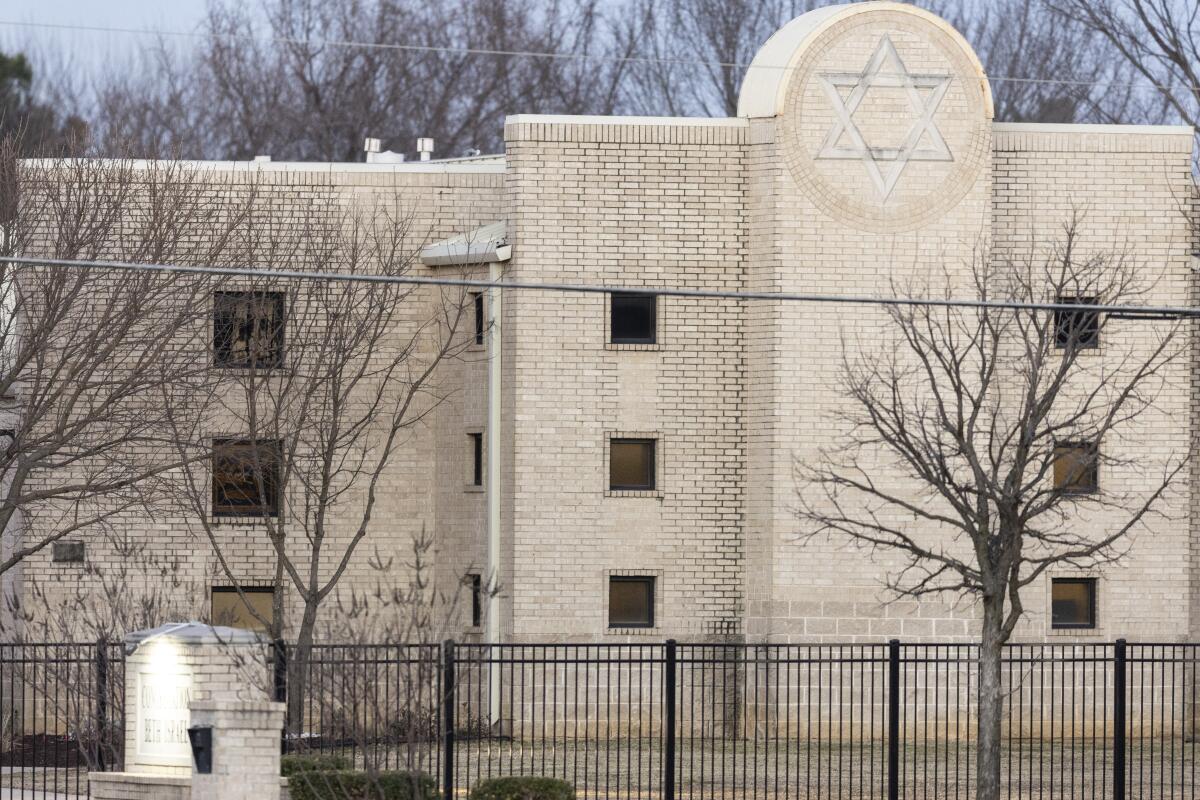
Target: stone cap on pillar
x=194 y=633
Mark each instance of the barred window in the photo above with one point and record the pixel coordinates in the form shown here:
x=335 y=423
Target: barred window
x=245 y=478
x=248 y=329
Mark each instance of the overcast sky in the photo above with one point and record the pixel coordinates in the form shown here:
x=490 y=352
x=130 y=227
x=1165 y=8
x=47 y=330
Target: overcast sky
x=92 y=49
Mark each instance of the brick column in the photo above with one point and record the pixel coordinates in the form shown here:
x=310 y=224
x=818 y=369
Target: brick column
x=245 y=739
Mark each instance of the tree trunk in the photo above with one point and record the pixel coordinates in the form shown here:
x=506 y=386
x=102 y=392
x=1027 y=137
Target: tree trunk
x=991 y=706
x=298 y=669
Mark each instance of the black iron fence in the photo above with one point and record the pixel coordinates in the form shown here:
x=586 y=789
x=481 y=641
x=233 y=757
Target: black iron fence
x=675 y=720
x=62 y=710
x=670 y=720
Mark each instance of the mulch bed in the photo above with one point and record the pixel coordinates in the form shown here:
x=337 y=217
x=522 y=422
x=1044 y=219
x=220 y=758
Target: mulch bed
x=42 y=750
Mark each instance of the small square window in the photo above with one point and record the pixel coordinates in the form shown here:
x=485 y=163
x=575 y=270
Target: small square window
x=230 y=610
x=631 y=464
x=476 y=458
x=248 y=330
x=476 y=599
x=1073 y=603
x=1078 y=329
x=633 y=318
x=630 y=602
x=68 y=552
x=245 y=479
x=480 y=319
x=1077 y=467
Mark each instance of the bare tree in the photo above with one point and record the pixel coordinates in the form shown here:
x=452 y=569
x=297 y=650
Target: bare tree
x=324 y=384
x=406 y=616
x=308 y=80
x=1159 y=40
x=973 y=442
x=84 y=353
x=722 y=35
x=1046 y=68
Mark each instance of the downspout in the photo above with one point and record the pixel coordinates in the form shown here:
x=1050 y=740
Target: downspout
x=494 y=350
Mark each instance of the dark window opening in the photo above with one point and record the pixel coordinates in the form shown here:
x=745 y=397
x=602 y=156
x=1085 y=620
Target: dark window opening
x=232 y=611
x=477 y=456
x=631 y=464
x=1078 y=329
x=1073 y=603
x=634 y=318
x=68 y=552
x=480 y=320
x=1077 y=467
x=476 y=599
x=630 y=602
x=248 y=329
x=245 y=479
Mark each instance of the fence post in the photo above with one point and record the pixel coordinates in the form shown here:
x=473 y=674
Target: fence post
x=669 y=681
x=280 y=665
x=101 y=702
x=1119 y=720
x=279 y=668
x=893 y=752
x=449 y=698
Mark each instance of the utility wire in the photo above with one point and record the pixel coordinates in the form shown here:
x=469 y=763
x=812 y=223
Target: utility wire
x=1122 y=310
x=482 y=51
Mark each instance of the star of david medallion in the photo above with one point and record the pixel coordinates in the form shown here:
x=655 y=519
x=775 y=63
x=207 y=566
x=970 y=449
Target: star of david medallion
x=885 y=71
x=885 y=121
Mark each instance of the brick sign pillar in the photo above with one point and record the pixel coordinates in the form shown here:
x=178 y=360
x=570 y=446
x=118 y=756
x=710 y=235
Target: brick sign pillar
x=185 y=674
x=245 y=743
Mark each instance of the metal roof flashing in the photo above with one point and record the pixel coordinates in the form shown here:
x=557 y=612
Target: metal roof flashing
x=486 y=244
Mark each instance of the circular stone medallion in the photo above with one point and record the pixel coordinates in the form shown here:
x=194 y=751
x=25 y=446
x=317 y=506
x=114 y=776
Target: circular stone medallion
x=886 y=120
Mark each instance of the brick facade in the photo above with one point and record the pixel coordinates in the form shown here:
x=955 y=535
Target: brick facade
x=735 y=392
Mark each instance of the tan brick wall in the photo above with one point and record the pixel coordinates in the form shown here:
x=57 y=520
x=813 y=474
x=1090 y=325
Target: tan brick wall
x=412 y=497
x=636 y=205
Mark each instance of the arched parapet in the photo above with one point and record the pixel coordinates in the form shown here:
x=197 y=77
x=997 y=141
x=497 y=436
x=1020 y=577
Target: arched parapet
x=883 y=112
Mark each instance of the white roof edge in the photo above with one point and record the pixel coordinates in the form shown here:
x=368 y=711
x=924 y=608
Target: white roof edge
x=570 y=119
x=488 y=165
x=764 y=79
x=1062 y=127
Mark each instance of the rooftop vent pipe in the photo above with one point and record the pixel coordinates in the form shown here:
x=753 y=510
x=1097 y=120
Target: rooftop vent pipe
x=425 y=148
x=374 y=156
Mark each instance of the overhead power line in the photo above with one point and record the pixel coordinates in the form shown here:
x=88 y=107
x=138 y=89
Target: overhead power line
x=483 y=51
x=1122 y=310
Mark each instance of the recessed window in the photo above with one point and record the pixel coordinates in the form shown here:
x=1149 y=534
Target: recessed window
x=631 y=464
x=476 y=599
x=476 y=440
x=1077 y=329
x=633 y=318
x=630 y=602
x=1073 y=602
x=480 y=319
x=68 y=552
x=245 y=480
x=1077 y=467
x=231 y=610
x=248 y=330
